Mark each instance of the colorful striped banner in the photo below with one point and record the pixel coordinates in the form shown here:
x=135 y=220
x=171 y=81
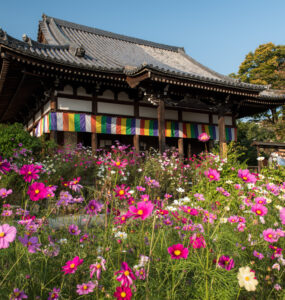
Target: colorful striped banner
x=127 y=126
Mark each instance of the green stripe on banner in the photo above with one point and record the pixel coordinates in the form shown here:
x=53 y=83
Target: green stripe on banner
x=193 y=134
x=49 y=123
x=77 y=122
x=172 y=129
x=104 y=124
x=151 y=123
x=129 y=126
x=227 y=134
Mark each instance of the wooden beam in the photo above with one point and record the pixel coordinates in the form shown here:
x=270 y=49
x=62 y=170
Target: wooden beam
x=161 y=125
x=181 y=148
x=94 y=142
x=136 y=141
x=222 y=136
x=189 y=152
x=4 y=71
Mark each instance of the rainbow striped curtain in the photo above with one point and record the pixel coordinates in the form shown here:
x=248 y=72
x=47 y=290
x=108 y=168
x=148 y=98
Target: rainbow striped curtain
x=59 y=121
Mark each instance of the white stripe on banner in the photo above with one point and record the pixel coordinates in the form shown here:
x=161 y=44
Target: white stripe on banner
x=46 y=124
x=217 y=133
x=180 y=129
x=59 y=121
x=113 y=125
x=233 y=134
x=199 y=129
x=138 y=126
x=88 y=123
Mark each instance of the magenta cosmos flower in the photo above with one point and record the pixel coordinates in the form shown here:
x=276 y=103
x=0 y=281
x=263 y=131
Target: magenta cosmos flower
x=98 y=267
x=212 y=174
x=142 y=211
x=125 y=275
x=30 y=172
x=119 y=163
x=93 y=207
x=226 y=262
x=282 y=215
x=203 y=137
x=123 y=293
x=37 y=191
x=246 y=176
x=4 y=193
x=85 y=288
x=71 y=265
x=4 y=166
x=31 y=243
x=73 y=229
x=122 y=191
x=259 y=210
x=17 y=295
x=178 y=251
x=270 y=235
x=197 y=241
x=54 y=294
x=258 y=254
x=7 y=235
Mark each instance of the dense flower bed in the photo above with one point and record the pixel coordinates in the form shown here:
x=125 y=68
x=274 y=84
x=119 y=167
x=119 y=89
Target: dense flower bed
x=142 y=226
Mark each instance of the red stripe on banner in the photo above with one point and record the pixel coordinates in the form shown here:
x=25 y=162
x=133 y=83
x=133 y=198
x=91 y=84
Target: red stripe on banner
x=93 y=123
x=118 y=127
x=65 y=122
x=142 y=127
x=184 y=130
x=203 y=128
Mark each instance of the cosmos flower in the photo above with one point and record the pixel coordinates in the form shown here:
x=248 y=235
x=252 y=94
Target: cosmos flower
x=140 y=273
x=270 y=236
x=246 y=176
x=259 y=209
x=142 y=211
x=125 y=275
x=71 y=265
x=246 y=278
x=203 y=137
x=258 y=254
x=31 y=243
x=86 y=288
x=226 y=262
x=98 y=267
x=54 y=294
x=122 y=191
x=123 y=293
x=4 y=193
x=93 y=207
x=212 y=174
x=178 y=251
x=74 y=184
x=17 y=295
x=73 y=229
x=4 y=166
x=282 y=215
x=7 y=235
x=37 y=191
x=30 y=172
x=197 y=241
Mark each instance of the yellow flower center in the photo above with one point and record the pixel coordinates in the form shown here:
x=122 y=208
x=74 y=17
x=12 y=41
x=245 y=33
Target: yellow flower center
x=123 y=218
x=123 y=295
x=121 y=192
x=244 y=178
x=177 y=252
x=118 y=163
x=211 y=176
x=29 y=172
x=259 y=212
x=72 y=266
x=189 y=210
x=246 y=278
x=92 y=207
x=37 y=191
x=126 y=273
x=270 y=235
x=140 y=212
x=2 y=234
x=98 y=266
x=85 y=287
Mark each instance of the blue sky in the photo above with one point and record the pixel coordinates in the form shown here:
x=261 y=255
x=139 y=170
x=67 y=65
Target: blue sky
x=217 y=33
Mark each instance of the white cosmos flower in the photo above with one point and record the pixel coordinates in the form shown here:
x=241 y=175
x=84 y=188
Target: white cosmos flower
x=260 y=158
x=180 y=190
x=229 y=182
x=223 y=220
x=246 y=279
x=121 y=234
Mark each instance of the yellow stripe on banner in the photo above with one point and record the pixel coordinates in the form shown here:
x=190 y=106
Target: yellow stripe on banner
x=98 y=124
x=188 y=130
x=168 y=129
x=207 y=129
x=71 y=126
x=146 y=127
x=123 y=126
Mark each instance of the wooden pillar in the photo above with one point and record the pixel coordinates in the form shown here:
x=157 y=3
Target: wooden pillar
x=94 y=142
x=181 y=148
x=222 y=136
x=189 y=152
x=136 y=141
x=161 y=126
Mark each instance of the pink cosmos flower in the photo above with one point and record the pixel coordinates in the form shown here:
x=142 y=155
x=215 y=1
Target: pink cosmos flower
x=272 y=188
x=37 y=191
x=197 y=241
x=54 y=295
x=237 y=186
x=260 y=200
x=122 y=191
x=270 y=236
x=145 y=197
x=151 y=182
x=30 y=172
x=246 y=176
x=4 y=193
x=7 y=235
x=140 y=188
x=189 y=210
x=178 y=251
x=199 y=197
x=71 y=265
x=4 y=166
x=126 y=275
x=226 y=262
x=98 y=267
x=31 y=243
x=203 y=137
x=212 y=174
x=93 y=207
x=140 y=273
x=73 y=229
x=258 y=254
x=282 y=215
x=123 y=293
x=86 y=288
x=74 y=184
x=142 y=211
x=84 y=238
x=7 y=213
x=17 y=295
x=259 y=210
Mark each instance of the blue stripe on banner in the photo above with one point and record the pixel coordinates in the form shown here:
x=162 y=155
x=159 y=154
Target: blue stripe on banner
x=53 y=121
x=176 y=124
x=109 y=125
x=133 y=126
x=214 y=132
x=155 y=128
x=82 y=123
x=196 y=131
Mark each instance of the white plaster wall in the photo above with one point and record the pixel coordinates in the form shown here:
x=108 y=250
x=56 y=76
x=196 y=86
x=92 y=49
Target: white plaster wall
x=30 y=124
x=82 y=92
x=171 y=114
x=147 y=112
x=228 y=120
x=122 y=96
x=108 y=94
x=74 y=105
x=195 y=117
x=46 y=107
x=115 y=109
x=67 y=90
x=38 y=115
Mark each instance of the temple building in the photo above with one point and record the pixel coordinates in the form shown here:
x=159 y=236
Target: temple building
x=78 y=84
